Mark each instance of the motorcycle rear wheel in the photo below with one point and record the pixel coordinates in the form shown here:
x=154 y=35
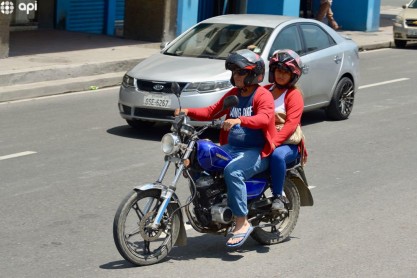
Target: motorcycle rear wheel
x=134 y=214
x=281 y=231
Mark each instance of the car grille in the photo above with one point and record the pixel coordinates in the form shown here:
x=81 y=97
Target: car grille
x=411 y=22
x=154 y=113
x=152 y=86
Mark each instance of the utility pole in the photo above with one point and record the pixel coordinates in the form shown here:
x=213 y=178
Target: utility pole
x=4 y=34
x=170 y=20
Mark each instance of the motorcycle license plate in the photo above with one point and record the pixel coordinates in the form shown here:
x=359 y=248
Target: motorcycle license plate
x=157 y=101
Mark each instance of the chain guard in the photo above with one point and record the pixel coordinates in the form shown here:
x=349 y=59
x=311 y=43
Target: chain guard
x=146 y=231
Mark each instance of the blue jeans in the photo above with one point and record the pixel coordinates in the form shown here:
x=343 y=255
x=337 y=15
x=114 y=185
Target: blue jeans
x=278 y=166
x=245 y=164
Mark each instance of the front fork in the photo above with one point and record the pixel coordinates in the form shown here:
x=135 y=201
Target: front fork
x=168 y=191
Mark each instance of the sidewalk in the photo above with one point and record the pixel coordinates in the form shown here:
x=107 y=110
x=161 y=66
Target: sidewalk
x=383 y=38
x=45 y=62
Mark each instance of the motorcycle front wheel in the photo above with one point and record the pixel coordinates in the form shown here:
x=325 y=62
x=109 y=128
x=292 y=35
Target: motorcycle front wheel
x=135 y=240
x=273 y=229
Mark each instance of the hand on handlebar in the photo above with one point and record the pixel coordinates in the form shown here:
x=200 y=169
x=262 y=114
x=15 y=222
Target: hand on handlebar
x=229 y=123
x=183 y=110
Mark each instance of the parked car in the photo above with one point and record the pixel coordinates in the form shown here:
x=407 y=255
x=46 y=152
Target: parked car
x=196 y=60
x=405 y=25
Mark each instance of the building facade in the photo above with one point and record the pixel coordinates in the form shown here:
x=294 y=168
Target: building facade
x=163 y=20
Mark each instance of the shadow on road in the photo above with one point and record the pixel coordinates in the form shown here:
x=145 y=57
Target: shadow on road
x=204 y=246
x=313 y=117
x=156 y=132
x=122 y=264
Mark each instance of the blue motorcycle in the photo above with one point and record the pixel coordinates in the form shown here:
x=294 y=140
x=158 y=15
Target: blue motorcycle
x=150 y=220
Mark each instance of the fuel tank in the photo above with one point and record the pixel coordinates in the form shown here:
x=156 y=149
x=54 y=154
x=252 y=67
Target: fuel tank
x=211 y=157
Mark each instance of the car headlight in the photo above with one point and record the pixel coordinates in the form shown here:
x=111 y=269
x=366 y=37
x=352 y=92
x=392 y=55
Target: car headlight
x=128 y=81
x=170 y=143
x=398 y=19
x=207 y=87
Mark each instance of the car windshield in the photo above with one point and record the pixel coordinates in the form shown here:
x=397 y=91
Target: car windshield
x=216 y=41
x=413 y=4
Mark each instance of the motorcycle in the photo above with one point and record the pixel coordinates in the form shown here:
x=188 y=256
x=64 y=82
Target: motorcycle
x=150 y=219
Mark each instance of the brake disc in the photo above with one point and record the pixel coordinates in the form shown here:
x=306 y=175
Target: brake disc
x=148 y=233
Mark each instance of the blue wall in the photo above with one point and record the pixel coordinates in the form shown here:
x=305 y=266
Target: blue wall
x=355 y=15
x=187 y=14
x=281 y=7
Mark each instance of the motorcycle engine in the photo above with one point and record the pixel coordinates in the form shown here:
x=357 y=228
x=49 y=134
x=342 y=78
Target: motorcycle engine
x=210 y=206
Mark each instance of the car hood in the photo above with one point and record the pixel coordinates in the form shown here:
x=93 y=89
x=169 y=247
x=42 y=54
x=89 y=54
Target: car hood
x=410 y=13
x=160 y=67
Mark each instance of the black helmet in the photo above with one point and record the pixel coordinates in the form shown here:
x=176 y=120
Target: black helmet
x=248 y=60
x=288 y=60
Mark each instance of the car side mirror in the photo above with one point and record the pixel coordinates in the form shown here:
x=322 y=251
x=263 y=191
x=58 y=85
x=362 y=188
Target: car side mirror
x=163 y=45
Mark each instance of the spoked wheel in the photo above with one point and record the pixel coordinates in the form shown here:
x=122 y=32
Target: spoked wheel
x=136 y=241
x=342 y=101
x=275 y=227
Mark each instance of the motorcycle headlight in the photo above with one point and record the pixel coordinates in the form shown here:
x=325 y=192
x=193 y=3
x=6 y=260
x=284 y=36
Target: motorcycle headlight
x=170 y=143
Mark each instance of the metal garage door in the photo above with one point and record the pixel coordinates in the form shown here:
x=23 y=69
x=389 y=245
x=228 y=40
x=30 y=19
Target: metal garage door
x=86 y=16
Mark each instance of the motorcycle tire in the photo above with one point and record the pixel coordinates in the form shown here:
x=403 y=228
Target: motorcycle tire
x=281 y=231
x=135 y=241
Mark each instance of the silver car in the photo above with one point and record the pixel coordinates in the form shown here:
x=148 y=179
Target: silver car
x=196 y=60
x=405 y=25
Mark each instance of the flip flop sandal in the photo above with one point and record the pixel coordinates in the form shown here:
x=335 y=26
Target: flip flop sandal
x=244 y=237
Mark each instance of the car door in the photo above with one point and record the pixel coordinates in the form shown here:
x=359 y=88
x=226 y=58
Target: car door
x=322 y=62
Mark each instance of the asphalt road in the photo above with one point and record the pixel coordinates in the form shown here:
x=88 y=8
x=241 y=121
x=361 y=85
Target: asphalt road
x=66 y=162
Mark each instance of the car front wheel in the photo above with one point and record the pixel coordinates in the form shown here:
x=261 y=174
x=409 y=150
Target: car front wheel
x=341 y=104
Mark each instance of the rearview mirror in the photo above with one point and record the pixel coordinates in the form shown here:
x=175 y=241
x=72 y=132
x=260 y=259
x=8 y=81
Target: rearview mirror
x=176 y=89
x=230 y=101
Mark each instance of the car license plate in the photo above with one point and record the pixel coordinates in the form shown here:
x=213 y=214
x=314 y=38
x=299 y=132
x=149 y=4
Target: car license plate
x=412 y=32
x=157 y=101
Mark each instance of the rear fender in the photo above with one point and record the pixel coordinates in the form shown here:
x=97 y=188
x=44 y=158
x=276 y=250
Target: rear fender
x=298 y=177
x=182 y=235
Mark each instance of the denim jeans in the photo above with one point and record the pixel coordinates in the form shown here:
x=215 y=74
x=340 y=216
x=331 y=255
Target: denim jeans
x=245 y=164
x=278 y=166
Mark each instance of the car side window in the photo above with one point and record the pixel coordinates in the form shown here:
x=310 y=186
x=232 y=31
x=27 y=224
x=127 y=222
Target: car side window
x=315 y=38
x=288 y=38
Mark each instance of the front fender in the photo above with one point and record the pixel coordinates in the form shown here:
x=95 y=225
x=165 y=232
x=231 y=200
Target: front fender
x=182 y=235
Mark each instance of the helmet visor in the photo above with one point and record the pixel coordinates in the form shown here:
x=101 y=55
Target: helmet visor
x=280 y=66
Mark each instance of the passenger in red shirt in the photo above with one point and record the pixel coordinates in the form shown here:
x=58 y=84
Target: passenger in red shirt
x=284 y=72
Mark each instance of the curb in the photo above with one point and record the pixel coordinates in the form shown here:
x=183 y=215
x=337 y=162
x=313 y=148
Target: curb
x=63 y=86
x=388 y=44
